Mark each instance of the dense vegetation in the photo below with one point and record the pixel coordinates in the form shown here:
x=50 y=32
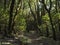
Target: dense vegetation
x=42 y=16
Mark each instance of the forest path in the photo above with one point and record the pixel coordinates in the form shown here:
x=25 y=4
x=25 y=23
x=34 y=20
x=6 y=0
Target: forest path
x=33 y=39
x=40 y=40
x=10 y=41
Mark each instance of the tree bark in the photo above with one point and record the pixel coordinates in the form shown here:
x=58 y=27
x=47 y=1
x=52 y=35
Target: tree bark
x=10 y=17
x=53 y=30
x=47 y=31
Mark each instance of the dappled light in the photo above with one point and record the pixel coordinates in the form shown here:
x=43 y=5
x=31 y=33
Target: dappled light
x=29 y=22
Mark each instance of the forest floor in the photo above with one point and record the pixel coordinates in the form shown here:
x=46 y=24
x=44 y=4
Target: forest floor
x=35 y=39
x=31 y=38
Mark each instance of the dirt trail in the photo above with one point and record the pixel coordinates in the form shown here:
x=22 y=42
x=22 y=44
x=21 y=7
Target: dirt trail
x=34 y=39
x=40 y=40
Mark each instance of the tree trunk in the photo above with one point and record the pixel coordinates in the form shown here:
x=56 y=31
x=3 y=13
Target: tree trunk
x=53 y=30
x=10 y=17
x=56 y=7
x=47 y=31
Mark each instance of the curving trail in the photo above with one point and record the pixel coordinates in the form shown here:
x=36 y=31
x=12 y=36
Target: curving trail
x=33 y=39
x=40 y=40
